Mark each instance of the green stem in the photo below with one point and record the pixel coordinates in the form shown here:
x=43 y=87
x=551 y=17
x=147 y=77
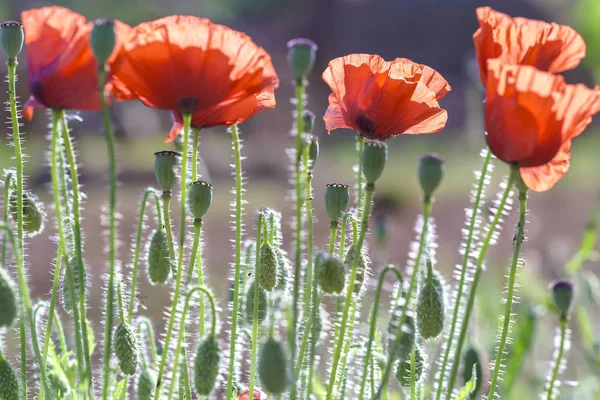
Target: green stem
x=187 y=119
x=347 y=343
x=150 y=332
x=166 y=200
x=237 y=155
x=511 y=288
x=259 y=229
x=360 y=141
x=310 y=238
x=48 y=330
x=558 y=359
x=413 y=382
x=333 y=230
x=411 y=287
x=369 y=189
x=120 y=303
x=475 y=283
x=303 y=346
x=373 y=322
x=7 y=184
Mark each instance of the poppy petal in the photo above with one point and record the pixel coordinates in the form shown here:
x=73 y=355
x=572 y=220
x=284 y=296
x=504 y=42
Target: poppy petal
x=334 y=117
x=544 y=177
x=414 y=72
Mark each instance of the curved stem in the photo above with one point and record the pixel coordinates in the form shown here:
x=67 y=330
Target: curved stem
x=373 y=322
x=369 y=189
x=259 y=242
x=342 y=248
x=511 y=288
x=150 y=332
x=475 y=283
x=558 y=359
x=463 y=274
x=237 y=155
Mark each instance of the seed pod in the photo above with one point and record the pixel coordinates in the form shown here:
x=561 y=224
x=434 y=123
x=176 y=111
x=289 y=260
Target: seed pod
x=65 y=292
x=103 y=39
x=301 y=56
x=430 y=309
x=11 y=38
x=159 y=257
x=200 y=197
x=164 y=162
x=273 y=367
x=332 y=273
x=562 y=296
x=431 y=171
x=404 y=366
x=126 y=348
x=268 y=267
x=361 y=272
x=407 y=340
x=9 y=383
x=146 y=385
x=262 y=303
x=33 y=213
x=8 y=299
x=206 y=365
x=374 y=156
x=283 y=266
x=470 y=359
x=337 y=197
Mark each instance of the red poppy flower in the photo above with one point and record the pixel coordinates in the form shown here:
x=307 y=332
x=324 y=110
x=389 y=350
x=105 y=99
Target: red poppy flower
x=381 y=99
x=62 y=70
x=258 y=395
x=531 y=118
x=191 y=65
x=546 y=46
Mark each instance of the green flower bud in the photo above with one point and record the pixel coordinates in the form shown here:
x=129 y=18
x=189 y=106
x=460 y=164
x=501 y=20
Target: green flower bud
x=103 y=39
x=11 y=38
x=374 y=156
x=562 y=295
x=273 y=367
x=301 y=56
x=9 y=383
x=262 y=303
x=159 y=257
x=381 y=361
x=8 y=299
x=200 y=196
x=268 y=267
x=332 y=273
x=309 y=120
x=33 y=213
x=64 y=290
x=430 y=312
x=312 y=142
x=126 y=348
x=362 y=272
x=471 y=358
x=284 y=268
x=431 y=171
x=206 y=366
x=337 y=197
x=146 y=385
x=404 y=366
x=407 y=341
x=164 y=162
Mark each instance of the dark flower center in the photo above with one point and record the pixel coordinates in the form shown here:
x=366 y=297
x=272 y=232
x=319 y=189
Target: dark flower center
x=366 y=125
x=188 y=105
x=37 y=90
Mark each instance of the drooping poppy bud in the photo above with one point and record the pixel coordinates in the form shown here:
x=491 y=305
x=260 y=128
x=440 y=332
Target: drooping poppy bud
x=312 y=142
x=9 y=383
x=309 y=121
x=430 y=308
x=11 y=38
x=146 y=385
x=362 y=272
x=273 y=367
x=431 y=172
x=262 y=303
x=8 y=299
x=332 y=273
x=471 y=359
x=200 y=196
x=103 y=39
x=337 y=197
x=268 y=267
x=374 y=156
x=407 y=340
x=164 y=162
x=78 y=282
x=404 y=367
x=302 y=54
x=562 y=296
x=126 y=348
x=33 y=213
x=206 y=365
x=159 y=257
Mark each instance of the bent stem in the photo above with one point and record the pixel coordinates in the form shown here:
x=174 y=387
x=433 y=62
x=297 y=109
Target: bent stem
x=558 y=358
x=474 y=284
x=339 y=343
x=511 y=288
x=237 y=155
x=259 y=229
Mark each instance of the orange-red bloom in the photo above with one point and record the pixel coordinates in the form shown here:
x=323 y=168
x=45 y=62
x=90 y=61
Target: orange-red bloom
x=531 y=118
x=62 y=70
x=380 y=99
x=191 y=65
x=258 y=395
x=546 y=46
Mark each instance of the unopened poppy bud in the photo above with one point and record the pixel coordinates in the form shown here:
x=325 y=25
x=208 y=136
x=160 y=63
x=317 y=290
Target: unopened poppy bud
x=337 y=197
x=103 y=39
x=126 y=348
x=404 y=367
x=33 y=212
x=273 y=367
x=11 y=38
x=9 y=383
x=471 y=359
x=332 y=273
x=206 y=365
x=431 y=172
x=262 y=303
x=159 y=257
x=78 y=282
x=374 y=156
x=8 y=299
x=268 y=267
x=301 y=56
x=562 y=296
x=407 y=340
x=430 y=307
x=164 y=162
x=309 y=121
x=312 y=142
x=146 y=385
x=200 y=196
x=362 y=270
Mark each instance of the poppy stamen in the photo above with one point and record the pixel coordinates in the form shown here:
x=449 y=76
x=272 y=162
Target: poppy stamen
x=367 y=125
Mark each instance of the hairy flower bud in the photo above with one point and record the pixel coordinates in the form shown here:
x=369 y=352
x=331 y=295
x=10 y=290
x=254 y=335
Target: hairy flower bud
x=362 y=272
x=199 y=198
x=374 y=156
x=8 y=299
x=262 y=303
x=562 y=296
x=404 y=366
x=103 y=39
x=268 y=267
x=33 y=212
x=164 y=162
x=206 y=365
x=78 y=282
x=146 y=385
x=471 y=359
x=11 y=38
x=337 y=197
x=431 y=171
x=9 y=383
x=273 y=367
x=430 y=307
x=312 y=142
x=126 y=348
x=331 y=273
x=159 y=257
x=309 y=121
x=302 y=54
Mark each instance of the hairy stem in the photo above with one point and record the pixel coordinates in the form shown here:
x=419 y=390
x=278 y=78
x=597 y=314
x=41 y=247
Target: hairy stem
x=557 y=359
x=259 y=229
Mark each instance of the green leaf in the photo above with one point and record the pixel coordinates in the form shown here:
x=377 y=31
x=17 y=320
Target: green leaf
x=469 y=386
x=119 y=389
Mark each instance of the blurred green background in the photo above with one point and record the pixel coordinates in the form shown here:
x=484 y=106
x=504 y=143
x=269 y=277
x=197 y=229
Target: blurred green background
x=434 y=32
